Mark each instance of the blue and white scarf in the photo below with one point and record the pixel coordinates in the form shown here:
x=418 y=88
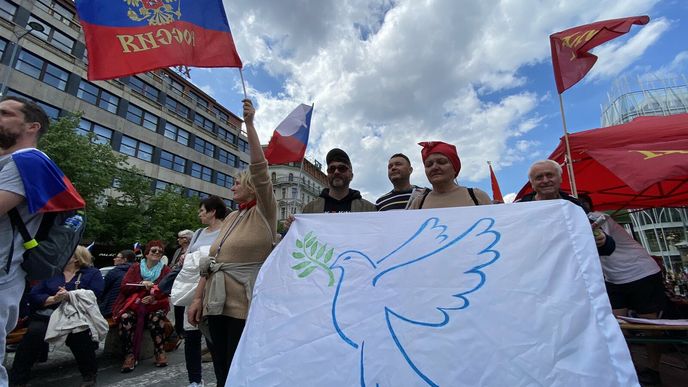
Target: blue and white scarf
x=150 y=274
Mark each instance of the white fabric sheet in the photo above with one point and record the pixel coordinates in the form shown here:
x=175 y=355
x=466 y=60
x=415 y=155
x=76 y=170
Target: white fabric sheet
x=501 y=295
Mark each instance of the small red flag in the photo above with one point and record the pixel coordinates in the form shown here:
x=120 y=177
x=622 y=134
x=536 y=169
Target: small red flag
x=570 y=56
x=496 y=192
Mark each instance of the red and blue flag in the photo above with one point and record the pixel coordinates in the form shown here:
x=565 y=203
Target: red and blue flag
x=46 y=188
x=125 y=37
x=288 y=143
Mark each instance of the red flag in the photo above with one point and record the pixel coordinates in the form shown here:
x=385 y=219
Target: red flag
x=129 y=37
x=570 y=56
x=496 y=192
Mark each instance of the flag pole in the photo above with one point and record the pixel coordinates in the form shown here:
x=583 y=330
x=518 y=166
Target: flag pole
x=243 y=84
x=569 y=163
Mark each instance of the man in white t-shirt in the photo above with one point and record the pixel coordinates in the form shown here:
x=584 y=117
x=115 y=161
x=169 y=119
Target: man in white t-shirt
x=634 y=281
x=22 y=122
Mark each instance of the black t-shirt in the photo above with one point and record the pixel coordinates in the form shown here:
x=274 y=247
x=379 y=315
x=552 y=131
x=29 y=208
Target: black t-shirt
x=343 y=205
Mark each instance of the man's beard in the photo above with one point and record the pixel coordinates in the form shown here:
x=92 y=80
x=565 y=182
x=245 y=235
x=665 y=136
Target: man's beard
x=7 y=139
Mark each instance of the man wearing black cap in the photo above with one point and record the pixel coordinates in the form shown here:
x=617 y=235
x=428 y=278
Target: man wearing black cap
x=338 y=197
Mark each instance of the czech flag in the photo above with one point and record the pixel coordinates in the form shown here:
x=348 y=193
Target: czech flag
x=135 y=36
x=46 y=188
x=288 y=143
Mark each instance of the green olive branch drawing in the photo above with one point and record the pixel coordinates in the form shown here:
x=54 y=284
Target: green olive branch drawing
x=313 y=255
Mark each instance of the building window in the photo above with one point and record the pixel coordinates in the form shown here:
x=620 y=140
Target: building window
x=141 y=117
x=175 y=133
x=294 y=192
x=173 y=162
x=7 y=10
x=204 y=122
x=52 y=112
x=227 y=157
x=273 y=177
x=224 y=180
x=103 y=135
x=176 y=87
x=284 y=193
x=243 y=145
x=144 y=88
x=35 y=67
x=58 y=11
x=201 y=172
x=134 y=148
x=291 y=177
x=53 y=36
x=283 y=213
x=177 y=107
x=97 y=96
x=204 y=147
x=226 y=135
x=242 y=165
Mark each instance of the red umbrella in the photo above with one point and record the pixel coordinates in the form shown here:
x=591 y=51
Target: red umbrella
x=641 y=164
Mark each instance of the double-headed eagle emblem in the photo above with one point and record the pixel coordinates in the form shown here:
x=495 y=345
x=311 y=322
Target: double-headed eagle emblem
x=156 y=12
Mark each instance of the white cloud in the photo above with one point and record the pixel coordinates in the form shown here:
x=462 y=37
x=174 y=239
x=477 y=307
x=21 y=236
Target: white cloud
x=386 y=74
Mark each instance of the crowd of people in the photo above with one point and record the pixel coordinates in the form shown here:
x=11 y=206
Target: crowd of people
x=210 y=277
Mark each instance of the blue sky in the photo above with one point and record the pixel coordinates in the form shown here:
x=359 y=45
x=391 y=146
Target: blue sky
x=384 y=75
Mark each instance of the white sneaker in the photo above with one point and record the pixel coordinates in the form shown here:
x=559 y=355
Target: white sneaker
x=194 y=384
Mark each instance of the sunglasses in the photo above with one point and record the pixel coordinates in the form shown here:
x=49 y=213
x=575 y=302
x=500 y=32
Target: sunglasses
x=156 y=251
x=339 y=168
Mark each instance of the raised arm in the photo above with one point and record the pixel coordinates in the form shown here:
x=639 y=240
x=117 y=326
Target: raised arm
x=257 y=155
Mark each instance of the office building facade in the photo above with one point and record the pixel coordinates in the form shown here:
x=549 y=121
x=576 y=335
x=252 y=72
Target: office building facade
x=170 y=129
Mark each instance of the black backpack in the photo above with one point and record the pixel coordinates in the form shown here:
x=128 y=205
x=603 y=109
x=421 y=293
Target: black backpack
x=48 y=252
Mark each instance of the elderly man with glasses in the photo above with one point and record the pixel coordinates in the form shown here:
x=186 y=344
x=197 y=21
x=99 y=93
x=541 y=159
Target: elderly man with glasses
x=339 y=197
x=183 y=241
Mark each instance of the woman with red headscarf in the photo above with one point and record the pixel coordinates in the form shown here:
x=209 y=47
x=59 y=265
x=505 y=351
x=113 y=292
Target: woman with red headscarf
x=442 y=166
x=141 y=304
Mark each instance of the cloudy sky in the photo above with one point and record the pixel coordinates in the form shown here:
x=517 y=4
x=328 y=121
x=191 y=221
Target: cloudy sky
x=384 y=75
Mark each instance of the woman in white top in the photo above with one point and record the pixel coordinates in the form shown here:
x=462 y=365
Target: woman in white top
x=211 y=213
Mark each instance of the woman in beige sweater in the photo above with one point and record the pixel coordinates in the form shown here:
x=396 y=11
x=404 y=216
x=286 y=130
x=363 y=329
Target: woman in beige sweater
x=245 y=240
x=442 y=166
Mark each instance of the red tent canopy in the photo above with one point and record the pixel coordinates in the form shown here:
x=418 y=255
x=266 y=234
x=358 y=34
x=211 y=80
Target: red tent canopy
x=641 y=164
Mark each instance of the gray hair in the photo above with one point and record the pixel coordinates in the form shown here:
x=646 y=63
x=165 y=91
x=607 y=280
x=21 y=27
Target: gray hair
x=552 y=163
x=185 y=234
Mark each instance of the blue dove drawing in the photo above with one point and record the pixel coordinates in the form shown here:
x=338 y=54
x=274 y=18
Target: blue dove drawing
x=372 y=294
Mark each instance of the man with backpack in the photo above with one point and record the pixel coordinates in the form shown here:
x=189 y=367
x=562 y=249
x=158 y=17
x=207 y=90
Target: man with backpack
x=30 y=185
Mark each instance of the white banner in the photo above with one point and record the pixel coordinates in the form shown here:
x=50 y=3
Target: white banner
x=503 y=295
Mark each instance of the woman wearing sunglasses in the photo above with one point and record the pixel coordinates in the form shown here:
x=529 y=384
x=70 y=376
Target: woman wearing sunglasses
x=141 y=305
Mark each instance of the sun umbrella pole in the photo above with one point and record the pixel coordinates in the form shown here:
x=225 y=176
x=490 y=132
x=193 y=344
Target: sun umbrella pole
x=569 y=162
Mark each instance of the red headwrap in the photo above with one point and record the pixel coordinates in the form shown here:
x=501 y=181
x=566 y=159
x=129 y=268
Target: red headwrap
x=448 y=150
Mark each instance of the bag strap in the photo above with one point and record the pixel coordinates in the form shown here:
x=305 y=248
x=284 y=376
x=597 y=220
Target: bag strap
x=17 y=221
x=230 y=229
x=18 y=224
x=78 y=281
x=475 y=199
x=422 y=198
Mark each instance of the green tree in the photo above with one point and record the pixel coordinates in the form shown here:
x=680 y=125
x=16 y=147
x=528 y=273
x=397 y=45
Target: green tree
x=123 y=215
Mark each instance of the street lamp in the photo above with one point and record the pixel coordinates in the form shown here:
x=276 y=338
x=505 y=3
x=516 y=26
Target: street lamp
x=33 y=26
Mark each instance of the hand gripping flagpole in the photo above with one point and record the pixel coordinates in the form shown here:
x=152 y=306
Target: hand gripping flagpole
x=569 y=159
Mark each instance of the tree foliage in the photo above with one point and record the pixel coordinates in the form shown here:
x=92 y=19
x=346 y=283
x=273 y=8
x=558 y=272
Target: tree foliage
x=120 y=216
